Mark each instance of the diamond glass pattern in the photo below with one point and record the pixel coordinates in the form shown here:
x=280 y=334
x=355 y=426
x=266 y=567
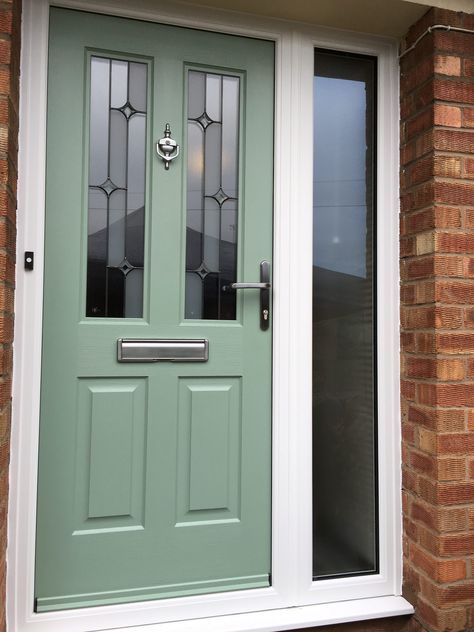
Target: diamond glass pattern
x=127 y=110
x=202 y=271
x=204 y=120
x=125 y=266
x=116 y=221
x=212 y=192
x=108 y=187
x=220 y=197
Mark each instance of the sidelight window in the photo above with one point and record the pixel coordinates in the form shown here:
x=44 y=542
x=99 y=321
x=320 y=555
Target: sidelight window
x=344 y=317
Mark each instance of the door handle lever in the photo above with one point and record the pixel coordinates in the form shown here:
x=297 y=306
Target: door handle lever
x=264 y=286
x=251 y=286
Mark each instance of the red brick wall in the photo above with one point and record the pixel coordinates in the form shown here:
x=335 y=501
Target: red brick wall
x=437 y=319
x=9 y=88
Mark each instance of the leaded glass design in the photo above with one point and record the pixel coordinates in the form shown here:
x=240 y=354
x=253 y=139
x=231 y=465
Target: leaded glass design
x=116 y=215
x=212 y=195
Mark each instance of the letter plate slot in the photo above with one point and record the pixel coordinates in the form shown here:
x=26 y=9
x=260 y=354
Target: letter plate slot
x=162 y=350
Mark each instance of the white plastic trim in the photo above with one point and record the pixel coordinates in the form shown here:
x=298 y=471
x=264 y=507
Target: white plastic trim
x=270 y=608
x=293 y=618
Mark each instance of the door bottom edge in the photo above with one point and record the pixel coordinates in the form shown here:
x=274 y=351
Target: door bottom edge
x=113 y=597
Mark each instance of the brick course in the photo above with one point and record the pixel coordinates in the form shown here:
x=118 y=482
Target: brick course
x=437 y=321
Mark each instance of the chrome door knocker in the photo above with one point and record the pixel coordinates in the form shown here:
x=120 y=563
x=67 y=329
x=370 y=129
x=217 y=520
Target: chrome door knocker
x=167 y=148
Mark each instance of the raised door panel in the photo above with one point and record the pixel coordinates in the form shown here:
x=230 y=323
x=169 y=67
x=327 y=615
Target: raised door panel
x=111 y=454
x=209 y=450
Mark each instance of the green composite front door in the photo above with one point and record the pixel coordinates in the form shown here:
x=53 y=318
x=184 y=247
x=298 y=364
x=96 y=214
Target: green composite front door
x=155 y=431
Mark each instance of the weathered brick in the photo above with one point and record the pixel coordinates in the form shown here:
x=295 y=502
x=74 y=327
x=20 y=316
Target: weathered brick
x=6 y=20
x=451 y=519
x=407 y=247
x=425 y=243
x=418 y=268
x=452 y=620
x=447 y=65
x=451 y=469
x=418 y=172
x=454 y=91
x=459 y=443
x=448 y=395
x=468 y=267
x=454 y=193
x=459 y=493
x=425 y=342
x=459 y=343
x=427 y=439
x=422 y=463
x=417 y=198
x=452 y=41
x=424 y=291
x=469 y=218
x=434 y=217
x=423 y=512
x=453 y=140
x=469 y=168
x=468 y=67
x=418 y=317
x=468 y=316
x=420 y=123
x=461 y=292
x=470 y=367
x=468 y=117
x=447 y=115
x=470 y=419
x=408 y=434
x=409 y=480
x=441 y=420
x=408 y=389
x=446 y=217
x=418 y=74
x=449 y=266
x=407 y=294
x=456 y=544
x=454 y=242
x=448 y=317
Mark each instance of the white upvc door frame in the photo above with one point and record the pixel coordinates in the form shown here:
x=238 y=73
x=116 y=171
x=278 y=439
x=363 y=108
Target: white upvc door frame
x=267 y=608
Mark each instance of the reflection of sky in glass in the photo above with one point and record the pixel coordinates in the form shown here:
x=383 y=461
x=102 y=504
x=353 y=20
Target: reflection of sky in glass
x=339 y=178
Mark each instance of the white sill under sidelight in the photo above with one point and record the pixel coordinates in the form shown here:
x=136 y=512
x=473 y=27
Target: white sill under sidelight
x=296 y=618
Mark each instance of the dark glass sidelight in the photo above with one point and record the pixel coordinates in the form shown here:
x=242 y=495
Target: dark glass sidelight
x=344 y=319
x=212 y=195
x=116 y=216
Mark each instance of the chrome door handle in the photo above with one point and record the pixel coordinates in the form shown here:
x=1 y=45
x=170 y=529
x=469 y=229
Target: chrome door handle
x=251 y=286
x=264 y=286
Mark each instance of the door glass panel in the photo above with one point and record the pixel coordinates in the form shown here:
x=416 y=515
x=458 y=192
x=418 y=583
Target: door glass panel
x=344 y=325
x=212 y=195
x=116 y=214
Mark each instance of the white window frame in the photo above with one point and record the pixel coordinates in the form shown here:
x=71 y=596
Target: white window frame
x=322 y=602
